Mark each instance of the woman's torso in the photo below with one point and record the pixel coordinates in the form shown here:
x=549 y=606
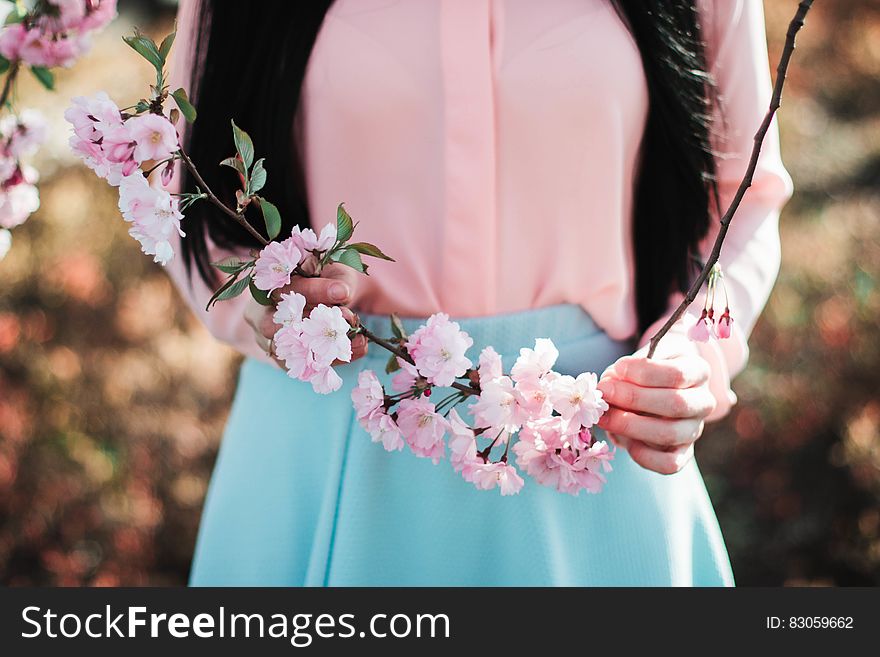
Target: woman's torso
x=508 y=131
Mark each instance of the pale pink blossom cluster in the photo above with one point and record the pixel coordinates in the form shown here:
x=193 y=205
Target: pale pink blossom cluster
x=115 y=146
x=20 y=136
x=278 y=261
x=550 y=413
x=56 y=33
x=709 y=326
x=310 y=344
x=153 y=214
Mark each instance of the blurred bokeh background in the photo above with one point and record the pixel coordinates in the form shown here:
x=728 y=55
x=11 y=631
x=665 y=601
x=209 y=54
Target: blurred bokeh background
x=113 y=397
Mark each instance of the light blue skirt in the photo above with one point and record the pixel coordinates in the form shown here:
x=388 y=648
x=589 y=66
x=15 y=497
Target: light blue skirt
x=301 y=496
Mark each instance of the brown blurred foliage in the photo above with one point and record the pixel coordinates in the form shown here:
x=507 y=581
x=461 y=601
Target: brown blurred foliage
x=113 y=398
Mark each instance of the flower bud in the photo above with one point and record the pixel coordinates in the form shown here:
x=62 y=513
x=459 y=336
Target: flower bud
x=702 y=330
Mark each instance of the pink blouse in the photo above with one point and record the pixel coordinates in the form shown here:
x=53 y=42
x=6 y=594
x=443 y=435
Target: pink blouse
x=490 y=147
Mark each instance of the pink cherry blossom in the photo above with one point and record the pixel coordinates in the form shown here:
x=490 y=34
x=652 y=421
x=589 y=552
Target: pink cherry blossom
x=325 y=380
x=17 y=203
x=37 y=49
x=275 y=265
x=95 y=159
x=5 y=242
x=98 y=15
x=535 y=363
x=701 y=331
x=325 y=332
x=368 y=398
x=489 y=475
x=11 y=39
x=154 y=215
x=496 y=407
x=155 y=137
x=70 y=14
x=290 y=348
x=438 y=349
x=289 y=311
x=93 y=119
x=23 y=133
x=490 y=366
x=723 y=325
x=578 y=400
x=309 y=347
x=307 y=240
x=118 y=147
x=462 y=445
x=406 y=377
x=422 y=428
x=167 y=174
x=533 y=397
x=92 y=116
x=383 y=429
x=562 y=460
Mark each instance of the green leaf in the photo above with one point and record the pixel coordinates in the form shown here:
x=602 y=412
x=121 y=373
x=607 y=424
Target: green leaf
x=392 y=365
x=397 y=327
x=220 y=290
x=186 y=108
x=232 y=264
x=4 y=65
x=16 y=14
x=272 y=218
x=261 y=296
x=352 y=258
x=141 y=106
x=233 y=290
x=365 y=248
x=234 y=163
x=165 y=47
x=344 y=224
x=147 y=49
x=45 y=76
x=243 y=145
x=258 y=176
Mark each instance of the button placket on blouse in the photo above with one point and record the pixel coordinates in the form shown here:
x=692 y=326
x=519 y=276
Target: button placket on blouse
x=469 y=249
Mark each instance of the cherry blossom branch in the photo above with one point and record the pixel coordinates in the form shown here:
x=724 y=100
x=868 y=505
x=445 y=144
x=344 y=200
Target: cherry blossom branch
x=14 y=68
x=237 y=216
x=781 y=70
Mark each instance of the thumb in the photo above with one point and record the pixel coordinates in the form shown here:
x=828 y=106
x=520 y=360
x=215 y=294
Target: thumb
x=339 y=272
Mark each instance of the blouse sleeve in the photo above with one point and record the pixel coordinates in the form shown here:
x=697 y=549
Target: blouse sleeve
x=737 y=51
x=225 y=320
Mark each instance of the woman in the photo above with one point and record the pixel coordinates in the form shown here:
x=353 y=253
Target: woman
x=547 y=169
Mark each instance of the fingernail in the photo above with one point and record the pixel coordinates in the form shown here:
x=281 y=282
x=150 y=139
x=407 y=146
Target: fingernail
x=339 y=292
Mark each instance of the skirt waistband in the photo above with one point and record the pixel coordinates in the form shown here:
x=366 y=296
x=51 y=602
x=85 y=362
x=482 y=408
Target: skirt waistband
x=508 y=332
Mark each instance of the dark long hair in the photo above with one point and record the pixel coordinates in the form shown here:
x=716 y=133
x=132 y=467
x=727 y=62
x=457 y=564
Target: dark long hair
x=268 y=44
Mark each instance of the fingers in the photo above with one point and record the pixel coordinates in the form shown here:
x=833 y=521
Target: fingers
x=663 y=462
x=359 y=346
x=659 y=432
x=679 y=372
x=328 y=291
x=335 y=287
x=697 y=402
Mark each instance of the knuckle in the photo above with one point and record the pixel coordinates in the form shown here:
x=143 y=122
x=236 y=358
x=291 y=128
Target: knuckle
x=677 y=377
x=679 y=404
